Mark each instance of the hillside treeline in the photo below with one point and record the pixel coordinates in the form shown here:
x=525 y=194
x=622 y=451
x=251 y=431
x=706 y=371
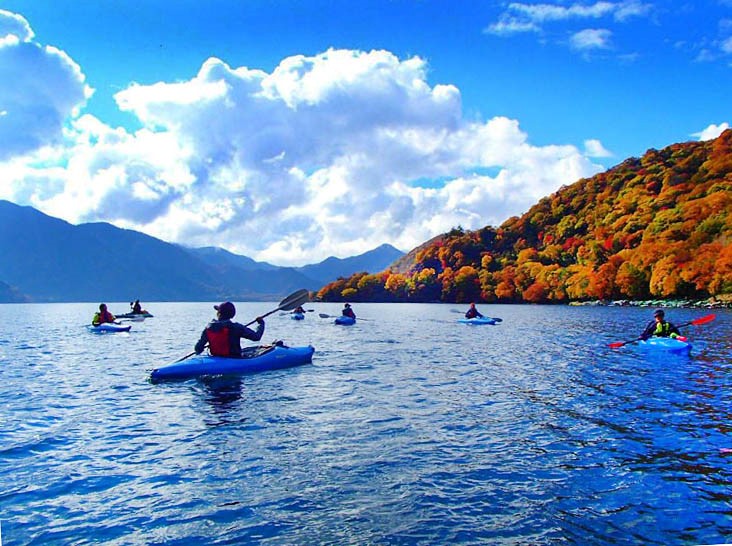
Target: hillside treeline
x=655 y=227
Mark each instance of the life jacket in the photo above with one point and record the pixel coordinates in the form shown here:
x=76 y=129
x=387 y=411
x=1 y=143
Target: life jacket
x=218 y=342
x=102 y=317
x=663 y=329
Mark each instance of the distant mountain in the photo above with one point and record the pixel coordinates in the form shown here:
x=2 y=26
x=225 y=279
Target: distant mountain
x=47 y=259
x=331 y=268
x=220 y=257
x=8 y=294
x=659 y=226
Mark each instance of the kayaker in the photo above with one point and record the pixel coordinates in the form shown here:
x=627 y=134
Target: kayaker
x=659 y=327
x=299 y=310
x=102 y=316
x=136 y=307
x=472 y=312
x=223 y=336
x=348 y=312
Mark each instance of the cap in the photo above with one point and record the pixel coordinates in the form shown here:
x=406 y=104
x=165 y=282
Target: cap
x=226 y=309
x=658 y=313
x=347 y=305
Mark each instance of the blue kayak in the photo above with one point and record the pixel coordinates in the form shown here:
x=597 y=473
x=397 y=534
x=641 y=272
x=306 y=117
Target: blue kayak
x=345 y=321
x=255 y=359
x=297 y=316
x=477 y=320
x=665 y=345
x=108 y=327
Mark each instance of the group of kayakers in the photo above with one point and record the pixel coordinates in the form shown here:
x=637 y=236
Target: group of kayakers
x=105 y=316
x=658 y=327
x=223 y=337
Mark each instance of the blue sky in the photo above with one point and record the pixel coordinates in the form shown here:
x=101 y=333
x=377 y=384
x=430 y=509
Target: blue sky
x=293 y=130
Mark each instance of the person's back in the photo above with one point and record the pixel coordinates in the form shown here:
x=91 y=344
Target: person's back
x=136 y=307
x=223 y=336
x=348 y=312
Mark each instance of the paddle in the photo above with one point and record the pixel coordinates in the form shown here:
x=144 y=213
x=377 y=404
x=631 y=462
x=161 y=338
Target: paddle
x=462 y=313
x=290 y=302
x=696 y=322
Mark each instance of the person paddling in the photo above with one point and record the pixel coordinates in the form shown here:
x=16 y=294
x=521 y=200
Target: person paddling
x=472 y=312
x=102 y=316
x=223 y=336
x=348 y=312
x=298 y=310
x=136 y=307
x=659 y=327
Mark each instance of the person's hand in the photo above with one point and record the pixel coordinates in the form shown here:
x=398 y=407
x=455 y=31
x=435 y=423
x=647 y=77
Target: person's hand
x=260 y=320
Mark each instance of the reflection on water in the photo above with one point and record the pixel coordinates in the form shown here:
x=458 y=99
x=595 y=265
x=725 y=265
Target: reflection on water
x=408 y=428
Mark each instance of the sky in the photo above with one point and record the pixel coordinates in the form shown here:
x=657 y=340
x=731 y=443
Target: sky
x=293 y=130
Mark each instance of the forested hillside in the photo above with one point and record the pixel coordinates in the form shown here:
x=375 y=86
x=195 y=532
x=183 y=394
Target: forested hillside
x=655 y=227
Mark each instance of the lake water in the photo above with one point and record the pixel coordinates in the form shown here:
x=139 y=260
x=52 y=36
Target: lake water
x=408 y=428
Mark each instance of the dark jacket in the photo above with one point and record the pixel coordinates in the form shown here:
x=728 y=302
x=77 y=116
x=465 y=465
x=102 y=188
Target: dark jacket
x=472 y=313
x=236 y=332
x=348 y=312
x=662 y=329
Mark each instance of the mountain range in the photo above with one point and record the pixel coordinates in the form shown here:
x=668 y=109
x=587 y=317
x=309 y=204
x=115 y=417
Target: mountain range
x=46 y=259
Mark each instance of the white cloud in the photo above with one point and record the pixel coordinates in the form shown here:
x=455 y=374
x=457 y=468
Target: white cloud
x=591 y=38
x=594 y=148
x=14 y=28
x=712 y=131
x=523 y=17
x=47 y=88
x=322 y=156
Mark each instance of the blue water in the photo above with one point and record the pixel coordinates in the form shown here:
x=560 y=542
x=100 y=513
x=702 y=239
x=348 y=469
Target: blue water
x=407 y=429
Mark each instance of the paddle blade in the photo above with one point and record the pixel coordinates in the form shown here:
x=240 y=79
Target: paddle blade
x=616 y=344
x=294 y=299
x=496 y=319
x=323 y=315
x=703 y=320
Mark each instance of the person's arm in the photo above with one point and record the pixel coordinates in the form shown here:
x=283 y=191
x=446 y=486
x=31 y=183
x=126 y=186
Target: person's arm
x=672 y=329
x=243 y=331
x=201 y=344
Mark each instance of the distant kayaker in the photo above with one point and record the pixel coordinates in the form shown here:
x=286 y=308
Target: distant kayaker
x=102 y=316
x=472 y=312
x=659 y=327
x=223 y=336
x=348 y=312
x=299 y=310
x=136 y=307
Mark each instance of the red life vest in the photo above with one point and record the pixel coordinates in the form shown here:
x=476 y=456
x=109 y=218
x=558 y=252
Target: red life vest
x=218 y=342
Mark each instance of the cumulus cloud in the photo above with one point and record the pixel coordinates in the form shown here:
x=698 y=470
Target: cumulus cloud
x=47 y=88
x=325 y=155
x=712 y=131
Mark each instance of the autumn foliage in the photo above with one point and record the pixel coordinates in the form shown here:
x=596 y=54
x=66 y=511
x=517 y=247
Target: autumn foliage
x=659 y=226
